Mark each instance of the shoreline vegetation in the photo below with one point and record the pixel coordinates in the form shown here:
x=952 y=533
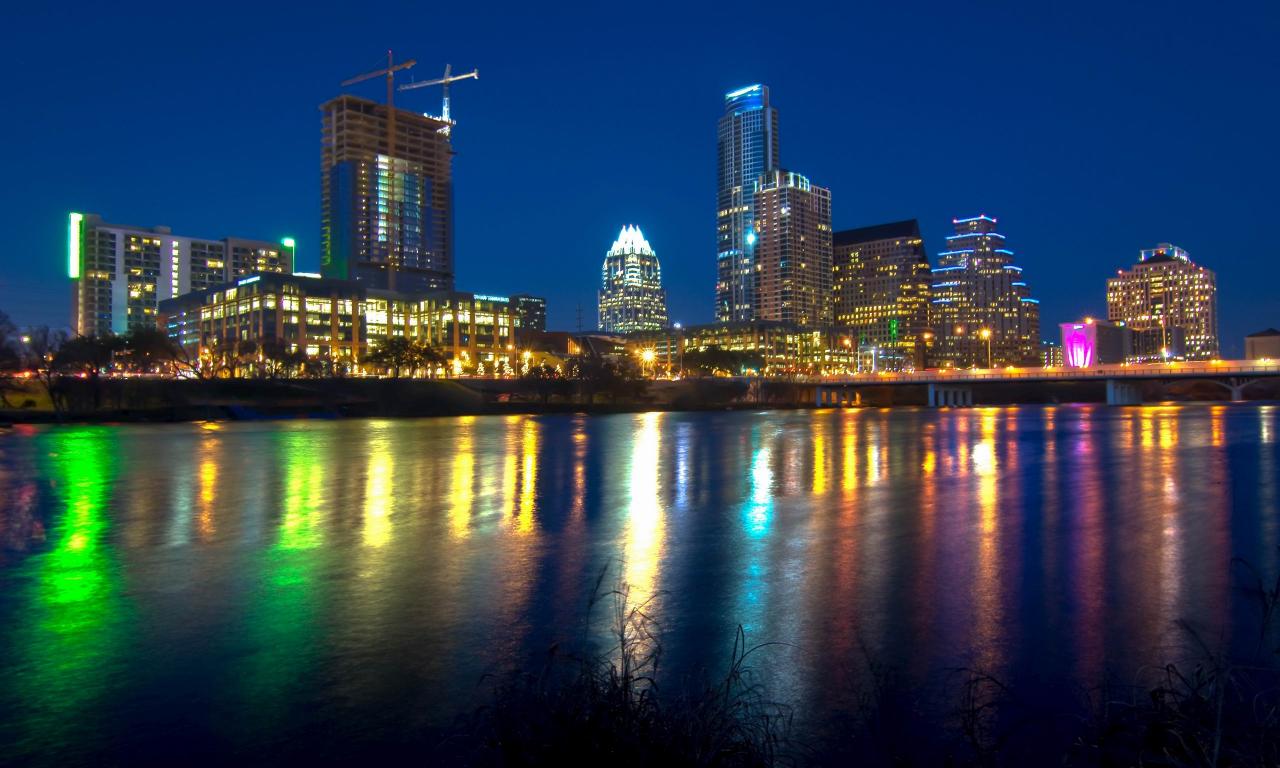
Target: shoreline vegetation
x=1214 y=707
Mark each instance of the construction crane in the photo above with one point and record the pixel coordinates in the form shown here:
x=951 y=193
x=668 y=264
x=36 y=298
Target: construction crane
x=443 y=82
x=393 y=232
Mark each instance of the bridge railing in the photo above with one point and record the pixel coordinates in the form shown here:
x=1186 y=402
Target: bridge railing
x=1213 y=368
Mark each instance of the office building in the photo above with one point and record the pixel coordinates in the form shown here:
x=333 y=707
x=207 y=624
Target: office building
x=531 y=312
x=1051 y=354
x=792 y=250
x=1091 y=342
x=631 y=296
x=337 y=322
x=880 y=291
x=747 y=148
x=386 y=207
x=784 y=348
x=983 y=312
x=1263 y=345
x=1163 y=291
x=120 y=273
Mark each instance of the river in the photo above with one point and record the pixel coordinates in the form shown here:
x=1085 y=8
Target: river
x=311 y=588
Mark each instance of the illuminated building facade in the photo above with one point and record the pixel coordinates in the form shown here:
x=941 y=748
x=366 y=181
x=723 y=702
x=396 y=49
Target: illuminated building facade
x=785 y=348
x=121 y=273
x=1163 y=291
x=881 y=290
x=982 y=310
x=792 y=250
x=338 y=321
x=747 y=147
x=631 y=296
x=385 y=221
x=1091 y=342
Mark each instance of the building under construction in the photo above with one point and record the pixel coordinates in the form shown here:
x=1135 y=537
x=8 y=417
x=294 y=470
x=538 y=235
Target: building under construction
x=386 y=199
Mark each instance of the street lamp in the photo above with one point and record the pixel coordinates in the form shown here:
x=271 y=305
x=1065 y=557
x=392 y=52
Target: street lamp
x=647 y=357
x=985 y=333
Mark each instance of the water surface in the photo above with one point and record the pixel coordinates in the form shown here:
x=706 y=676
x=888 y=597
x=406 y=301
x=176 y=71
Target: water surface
x=291 y=589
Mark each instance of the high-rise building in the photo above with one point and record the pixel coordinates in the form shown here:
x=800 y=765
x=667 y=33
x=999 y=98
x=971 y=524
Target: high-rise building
x=881 y=291
x=1166 y=290
x=386 y=212
x=631 y=295
x=747 y=144
x=983 y=312
x=121 y=273
x=792 y=250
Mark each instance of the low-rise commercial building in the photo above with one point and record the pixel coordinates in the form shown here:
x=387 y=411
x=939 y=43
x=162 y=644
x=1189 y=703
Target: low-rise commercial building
x=1263 y=345
x=338 y=322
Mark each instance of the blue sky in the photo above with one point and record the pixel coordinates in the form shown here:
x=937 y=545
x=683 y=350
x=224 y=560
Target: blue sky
x=1090 y=130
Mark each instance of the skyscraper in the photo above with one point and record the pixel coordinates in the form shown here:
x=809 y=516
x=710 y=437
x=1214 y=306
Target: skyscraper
x=792 y=250
x=983 y=312
x=631 y=295
x=386 y=221
x=1164 y=291
x=881 y=290
x=121 y=273
x=747 y=145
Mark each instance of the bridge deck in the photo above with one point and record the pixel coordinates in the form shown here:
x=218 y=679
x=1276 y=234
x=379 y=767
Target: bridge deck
x=1163 y=371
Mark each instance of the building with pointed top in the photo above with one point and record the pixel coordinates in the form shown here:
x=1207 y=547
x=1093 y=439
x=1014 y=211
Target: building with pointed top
x=631 y=295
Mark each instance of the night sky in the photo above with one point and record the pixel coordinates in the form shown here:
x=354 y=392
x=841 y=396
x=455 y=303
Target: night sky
x=1089 y=130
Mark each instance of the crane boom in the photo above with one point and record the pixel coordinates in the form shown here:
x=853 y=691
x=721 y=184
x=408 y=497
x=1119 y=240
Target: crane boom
x=443 y=82
x=380 y=73
x=440 y=81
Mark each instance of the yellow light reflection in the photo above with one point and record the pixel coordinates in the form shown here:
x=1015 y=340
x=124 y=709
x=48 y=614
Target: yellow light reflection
x=528 y=476
x=377 y=495
x=819 y=453
x=849 y=451
x=645 y=524
x=463 y=477
x=208 y=489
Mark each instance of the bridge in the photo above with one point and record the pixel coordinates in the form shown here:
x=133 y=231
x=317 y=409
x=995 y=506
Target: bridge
x=954 y=386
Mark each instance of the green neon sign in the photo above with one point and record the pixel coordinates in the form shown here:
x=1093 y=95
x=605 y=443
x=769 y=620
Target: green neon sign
x=73 y=246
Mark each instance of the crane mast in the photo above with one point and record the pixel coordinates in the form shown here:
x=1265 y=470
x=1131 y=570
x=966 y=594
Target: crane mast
x=393 y=229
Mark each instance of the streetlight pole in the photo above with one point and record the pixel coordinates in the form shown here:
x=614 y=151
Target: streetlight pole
x=986 y=335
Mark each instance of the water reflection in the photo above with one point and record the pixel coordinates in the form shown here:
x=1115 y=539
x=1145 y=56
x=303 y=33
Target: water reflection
x=375 y=560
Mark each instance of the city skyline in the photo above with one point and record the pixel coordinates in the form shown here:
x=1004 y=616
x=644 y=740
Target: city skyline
x=277 y=186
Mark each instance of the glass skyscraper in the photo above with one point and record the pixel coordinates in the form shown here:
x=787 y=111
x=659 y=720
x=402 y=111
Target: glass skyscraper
x=747 y=144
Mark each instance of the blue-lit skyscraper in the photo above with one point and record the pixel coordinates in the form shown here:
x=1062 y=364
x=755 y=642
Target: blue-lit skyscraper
x=982 y=309
x=748 y=148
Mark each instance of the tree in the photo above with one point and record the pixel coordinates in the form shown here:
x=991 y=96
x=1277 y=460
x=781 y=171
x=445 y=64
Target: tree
x=545 y=381
x=393 y=353
x=150 y=350
x=88 y=355
x=10 y=359
x=714 y=360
